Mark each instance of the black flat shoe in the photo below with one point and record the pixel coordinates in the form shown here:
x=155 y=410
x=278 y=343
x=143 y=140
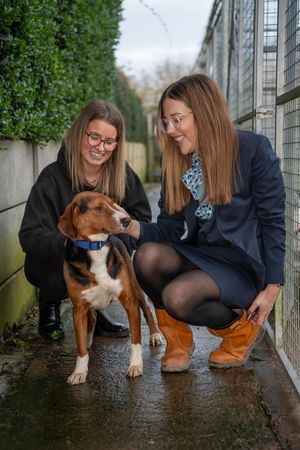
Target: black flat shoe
x=50 y=324
x=107 y=326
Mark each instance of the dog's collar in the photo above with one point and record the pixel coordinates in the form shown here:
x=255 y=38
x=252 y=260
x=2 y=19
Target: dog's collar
x=90 y=245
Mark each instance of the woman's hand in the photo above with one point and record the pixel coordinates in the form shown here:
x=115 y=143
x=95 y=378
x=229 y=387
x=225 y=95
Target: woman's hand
x=134 y=228
x=263 y=304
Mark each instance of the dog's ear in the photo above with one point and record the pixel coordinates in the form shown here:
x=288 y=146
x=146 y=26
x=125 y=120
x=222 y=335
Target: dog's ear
x=66 y=225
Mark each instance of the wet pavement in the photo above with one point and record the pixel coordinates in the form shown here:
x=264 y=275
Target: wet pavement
x=251 y=407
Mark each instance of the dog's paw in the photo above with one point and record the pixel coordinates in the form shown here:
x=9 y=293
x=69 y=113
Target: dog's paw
x=77 y=378
x=155 y=339
x=135 y=371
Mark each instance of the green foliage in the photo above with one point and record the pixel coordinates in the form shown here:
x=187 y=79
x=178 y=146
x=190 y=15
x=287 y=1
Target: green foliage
x=55 y=57
x=130 y=106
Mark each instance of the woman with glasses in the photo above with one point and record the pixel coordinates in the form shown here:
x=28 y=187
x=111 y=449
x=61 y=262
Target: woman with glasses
x=215 y=257
x=92 y=157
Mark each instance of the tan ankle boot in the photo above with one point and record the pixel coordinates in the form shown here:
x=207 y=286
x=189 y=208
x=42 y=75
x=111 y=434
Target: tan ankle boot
x=180 y=344
x=238 y=340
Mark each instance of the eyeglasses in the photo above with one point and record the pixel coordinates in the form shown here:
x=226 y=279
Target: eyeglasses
x=94 y=139
x=173 y=122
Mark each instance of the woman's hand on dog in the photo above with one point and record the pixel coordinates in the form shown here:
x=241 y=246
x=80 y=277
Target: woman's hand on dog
x=134 y=229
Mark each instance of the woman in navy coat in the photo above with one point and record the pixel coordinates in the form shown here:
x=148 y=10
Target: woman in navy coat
x=215 y=257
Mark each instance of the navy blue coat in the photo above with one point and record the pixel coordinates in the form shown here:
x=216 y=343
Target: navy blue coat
x=254 y=221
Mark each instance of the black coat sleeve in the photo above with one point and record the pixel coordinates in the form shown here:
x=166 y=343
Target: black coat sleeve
x=38 y=234
x=135 y=203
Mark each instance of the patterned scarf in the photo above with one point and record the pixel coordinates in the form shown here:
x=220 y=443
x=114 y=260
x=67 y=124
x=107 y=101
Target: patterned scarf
x=193 y=180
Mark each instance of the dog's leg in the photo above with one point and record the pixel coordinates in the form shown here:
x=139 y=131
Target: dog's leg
x=138 y=296
x=92 y=317
x=134 y=317
x=80 y=326
x=155 y=336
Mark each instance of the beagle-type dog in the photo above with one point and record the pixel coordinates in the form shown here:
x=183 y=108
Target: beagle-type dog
x=97 y=270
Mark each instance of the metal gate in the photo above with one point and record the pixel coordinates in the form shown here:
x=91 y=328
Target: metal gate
x=252 y=50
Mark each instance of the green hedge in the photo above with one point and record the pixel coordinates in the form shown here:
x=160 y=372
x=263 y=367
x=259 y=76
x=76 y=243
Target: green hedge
x=55 y=56
x=131 y=107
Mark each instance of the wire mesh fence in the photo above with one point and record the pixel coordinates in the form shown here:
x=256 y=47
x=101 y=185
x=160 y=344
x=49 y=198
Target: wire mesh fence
x=258 y=44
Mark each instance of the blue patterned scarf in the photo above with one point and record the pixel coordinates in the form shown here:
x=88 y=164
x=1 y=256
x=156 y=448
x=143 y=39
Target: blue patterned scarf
x=193 y=180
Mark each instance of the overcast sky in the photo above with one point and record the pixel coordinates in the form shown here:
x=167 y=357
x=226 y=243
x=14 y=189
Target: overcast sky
x=169 y=29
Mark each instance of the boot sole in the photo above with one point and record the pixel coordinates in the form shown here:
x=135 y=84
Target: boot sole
x=176 y=369
x=227 y=365
x=53 y=335
x=113 y=334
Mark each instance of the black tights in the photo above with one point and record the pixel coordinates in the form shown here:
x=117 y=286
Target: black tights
x=173 y=282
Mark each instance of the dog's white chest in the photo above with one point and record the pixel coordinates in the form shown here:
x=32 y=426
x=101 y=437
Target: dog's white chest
x=107 y=289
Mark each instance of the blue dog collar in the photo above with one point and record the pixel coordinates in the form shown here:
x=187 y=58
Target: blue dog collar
x=90 y=245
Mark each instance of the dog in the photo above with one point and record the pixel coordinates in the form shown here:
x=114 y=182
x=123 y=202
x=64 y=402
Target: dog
x=96 y=271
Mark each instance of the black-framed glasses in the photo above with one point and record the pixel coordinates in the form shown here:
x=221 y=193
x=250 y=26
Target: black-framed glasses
x=95 y=139
x=174 y=121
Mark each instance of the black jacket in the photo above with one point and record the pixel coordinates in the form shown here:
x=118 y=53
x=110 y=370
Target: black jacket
x=49 y=196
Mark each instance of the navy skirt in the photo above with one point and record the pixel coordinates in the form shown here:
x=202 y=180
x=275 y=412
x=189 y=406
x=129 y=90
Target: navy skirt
x=230 y=269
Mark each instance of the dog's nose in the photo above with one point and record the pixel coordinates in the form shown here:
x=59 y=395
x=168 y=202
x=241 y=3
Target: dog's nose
x=125 y=221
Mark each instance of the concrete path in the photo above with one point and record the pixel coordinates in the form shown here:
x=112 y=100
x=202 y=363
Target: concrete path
x=252 y=407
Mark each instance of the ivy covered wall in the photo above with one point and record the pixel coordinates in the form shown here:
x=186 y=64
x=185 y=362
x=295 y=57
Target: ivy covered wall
x=55 y=56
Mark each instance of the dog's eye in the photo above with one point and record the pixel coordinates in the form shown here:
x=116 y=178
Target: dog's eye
x=98 y=208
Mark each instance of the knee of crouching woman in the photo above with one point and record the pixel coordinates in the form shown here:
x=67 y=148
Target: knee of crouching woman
x=146 y=258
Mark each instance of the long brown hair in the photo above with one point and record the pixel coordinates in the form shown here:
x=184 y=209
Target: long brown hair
x=112 y=181
x=217 y=143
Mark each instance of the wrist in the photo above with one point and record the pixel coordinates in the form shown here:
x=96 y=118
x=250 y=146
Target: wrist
x=134 y=229
x=273 y=287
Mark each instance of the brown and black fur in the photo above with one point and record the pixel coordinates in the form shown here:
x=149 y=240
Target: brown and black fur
x=92 y=214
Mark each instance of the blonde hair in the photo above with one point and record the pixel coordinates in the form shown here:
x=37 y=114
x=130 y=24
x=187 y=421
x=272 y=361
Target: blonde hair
x=217 y=143
x=112 y=181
